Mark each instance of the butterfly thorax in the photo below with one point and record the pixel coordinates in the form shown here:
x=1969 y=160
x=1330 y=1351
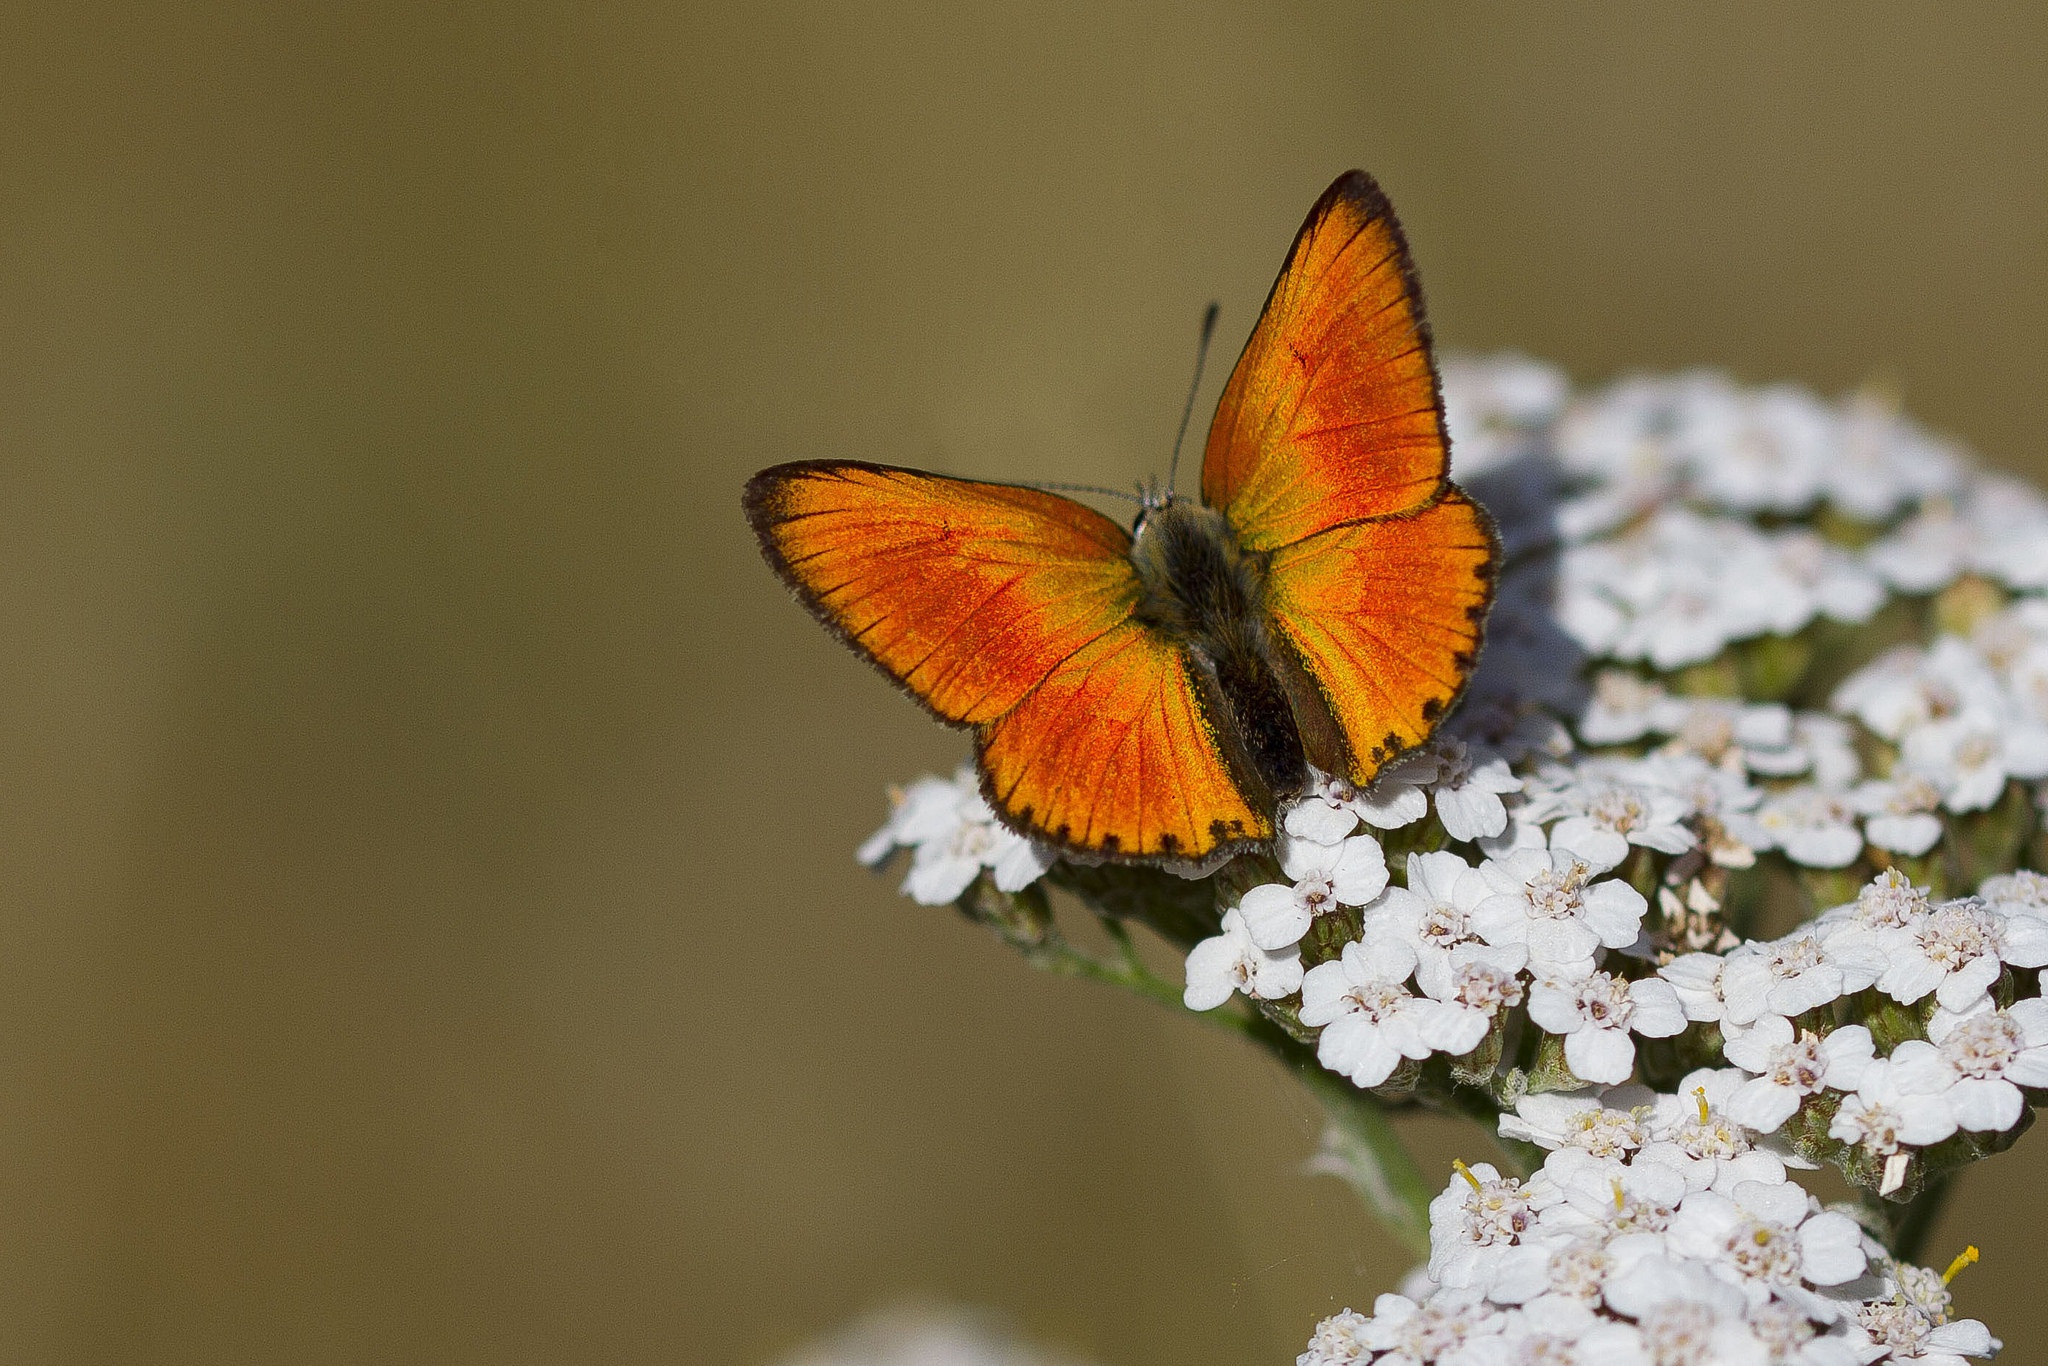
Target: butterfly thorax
x=1205 y=592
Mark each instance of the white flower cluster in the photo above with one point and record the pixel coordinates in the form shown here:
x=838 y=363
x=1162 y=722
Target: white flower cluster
x=1965 y=715
x=1677 y=553
x=1967 y=1073
x=1441 y=960
x=1658 y=1232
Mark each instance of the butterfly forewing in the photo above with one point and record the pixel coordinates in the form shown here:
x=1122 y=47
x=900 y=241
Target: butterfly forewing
x=1332 y=413
x=967 y=594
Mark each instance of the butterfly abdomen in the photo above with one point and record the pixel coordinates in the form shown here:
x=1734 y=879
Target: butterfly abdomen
x=1206 y=593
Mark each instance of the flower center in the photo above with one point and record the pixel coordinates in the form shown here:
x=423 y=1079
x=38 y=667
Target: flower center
x=1799 y=1065
x=1891 y=901
x=1497 y=1212
x=1558 y=895
x=1486 y=988
x=1603 y=1132
x=1445 y=925
x=1377 y=1001
x=1764 y=1251
x=1957 y=934
x=1604 y=1001
x=1897 y=1325
x=1984 y=1046
x=1619 y=810
x=1678 y=1334
x=1796 y=956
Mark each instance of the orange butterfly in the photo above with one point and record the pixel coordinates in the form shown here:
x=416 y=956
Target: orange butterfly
x=1154 y=694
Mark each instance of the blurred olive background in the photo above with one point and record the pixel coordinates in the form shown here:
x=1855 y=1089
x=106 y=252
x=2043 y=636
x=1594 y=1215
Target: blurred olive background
x=429 y=926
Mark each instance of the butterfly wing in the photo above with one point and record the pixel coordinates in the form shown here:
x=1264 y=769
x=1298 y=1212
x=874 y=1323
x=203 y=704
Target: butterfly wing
x=1332 y=413
x=1010 y=609
x=1385 y=614
x=1328 y=452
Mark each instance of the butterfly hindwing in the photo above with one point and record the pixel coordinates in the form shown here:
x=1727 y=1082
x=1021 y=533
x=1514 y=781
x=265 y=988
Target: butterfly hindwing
x=1332 y=413
x=1010 y=609
x=1118 y=753
x=1386 y=615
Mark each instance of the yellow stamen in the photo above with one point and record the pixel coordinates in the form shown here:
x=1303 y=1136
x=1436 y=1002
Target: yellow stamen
x=1466 y=1172
x=1700 y=1094
x=1620 y=1197
x=1967 y=1257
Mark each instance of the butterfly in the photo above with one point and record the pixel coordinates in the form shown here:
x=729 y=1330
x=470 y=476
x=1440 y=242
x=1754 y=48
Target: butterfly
x=1155 y=694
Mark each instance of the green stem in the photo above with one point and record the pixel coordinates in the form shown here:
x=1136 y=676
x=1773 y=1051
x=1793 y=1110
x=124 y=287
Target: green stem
x=1371 y=1156
x=1916 y=1220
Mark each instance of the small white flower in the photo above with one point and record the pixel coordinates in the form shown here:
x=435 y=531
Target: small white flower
x=1696 y=979
x=1776 y=1234
x=1468 y=786
x=1623 y=707
x=1550 y=904
x=953 y=834
x=1591 y=1121
x=1955 y=951
x=1432 y=914
x=1332 y=807
x=1898 y=813
x=1602 y=819
x=1788 y=1068
x=1692 y=1132
x=1883 y=1116
x=1349 y=873
x=1815 y=828
x=1473 y=1223
x=1793 y=975
x=1482 y=981
x=1597 y=1012
x=2020 y=893
x=1987 y=1054
x=1907 y=687
x=1339 y=1340
x=1897 y=1331
x=1325 y=814
x=1231 y=962
x=1970 y=756
x=1370 y=1020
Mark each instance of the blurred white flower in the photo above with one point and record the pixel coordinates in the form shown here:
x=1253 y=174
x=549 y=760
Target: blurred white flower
x=953 y=834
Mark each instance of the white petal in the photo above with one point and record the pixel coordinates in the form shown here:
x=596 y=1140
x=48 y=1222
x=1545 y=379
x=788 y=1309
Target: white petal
x=1602 y=1055
x=1318 y=822
x=1274 y=916
x=1657 y=1014
x=1210 y=979
x=1360 y=873
x=1986 y=1104
x=1832 y=1248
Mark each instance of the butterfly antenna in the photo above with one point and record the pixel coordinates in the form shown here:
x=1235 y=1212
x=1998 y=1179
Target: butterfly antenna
x=1201 y=355
x=1084 y=488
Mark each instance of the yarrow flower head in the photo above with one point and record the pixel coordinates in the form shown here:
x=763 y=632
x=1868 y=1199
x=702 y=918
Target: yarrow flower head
x=1714 y=873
